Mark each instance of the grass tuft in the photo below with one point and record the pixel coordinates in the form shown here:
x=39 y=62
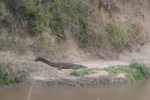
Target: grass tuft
x=83 y=72
x=118 y=69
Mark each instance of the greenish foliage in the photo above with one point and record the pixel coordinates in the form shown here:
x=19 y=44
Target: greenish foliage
x=83 y=23
x=8 y=75
x=83 y=72
x=142 y=69
x=57 y=29
x=136 y=69
x=116 y=35
x=35 y=26
x=137 y=75
x=29 y=11
x=35 y=17
x=10 y=44
x=65 y=14
x=123 y=35
x=85 y=32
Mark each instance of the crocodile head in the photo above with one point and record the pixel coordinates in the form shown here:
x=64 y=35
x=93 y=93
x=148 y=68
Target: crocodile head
x=38 y=59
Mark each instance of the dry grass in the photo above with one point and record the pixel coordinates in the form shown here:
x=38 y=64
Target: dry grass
x=42 y=44
x=9 y=43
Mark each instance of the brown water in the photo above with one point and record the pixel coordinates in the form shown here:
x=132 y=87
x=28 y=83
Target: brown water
x=138 y=91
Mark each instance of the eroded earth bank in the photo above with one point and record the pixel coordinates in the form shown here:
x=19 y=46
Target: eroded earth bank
x=110 y=37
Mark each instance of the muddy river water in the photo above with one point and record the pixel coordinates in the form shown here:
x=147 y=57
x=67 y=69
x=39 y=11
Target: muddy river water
x=137 y=91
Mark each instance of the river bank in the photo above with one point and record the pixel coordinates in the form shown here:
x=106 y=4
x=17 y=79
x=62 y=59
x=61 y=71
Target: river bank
x=43 y=75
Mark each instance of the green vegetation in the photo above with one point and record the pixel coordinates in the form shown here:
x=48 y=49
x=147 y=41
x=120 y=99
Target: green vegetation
x=116 y=36
x=35 y=17
x=136 y=69
x=66 y=14
x=83 y=72
x=123 y=35
x=85 y=32
x=9 y=75
x=142 y=71
x=56 y=27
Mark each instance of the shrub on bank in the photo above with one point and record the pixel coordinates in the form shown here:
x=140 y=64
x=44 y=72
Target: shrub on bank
x=9 y=75
x=136 y=70
x=142 y=71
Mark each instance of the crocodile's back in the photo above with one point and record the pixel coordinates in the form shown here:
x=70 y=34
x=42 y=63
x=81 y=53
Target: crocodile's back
x=64 y=65
x=61 y=65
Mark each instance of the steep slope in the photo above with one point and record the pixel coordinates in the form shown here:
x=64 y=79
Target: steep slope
x=77 y=30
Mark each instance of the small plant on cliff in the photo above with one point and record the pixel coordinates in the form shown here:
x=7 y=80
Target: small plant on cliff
x=56 y=26
x=8 y=74
x=35 y=17
x=85 y=31
x=116 y=35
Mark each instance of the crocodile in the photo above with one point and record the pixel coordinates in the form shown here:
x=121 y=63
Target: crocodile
x=61 y=65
